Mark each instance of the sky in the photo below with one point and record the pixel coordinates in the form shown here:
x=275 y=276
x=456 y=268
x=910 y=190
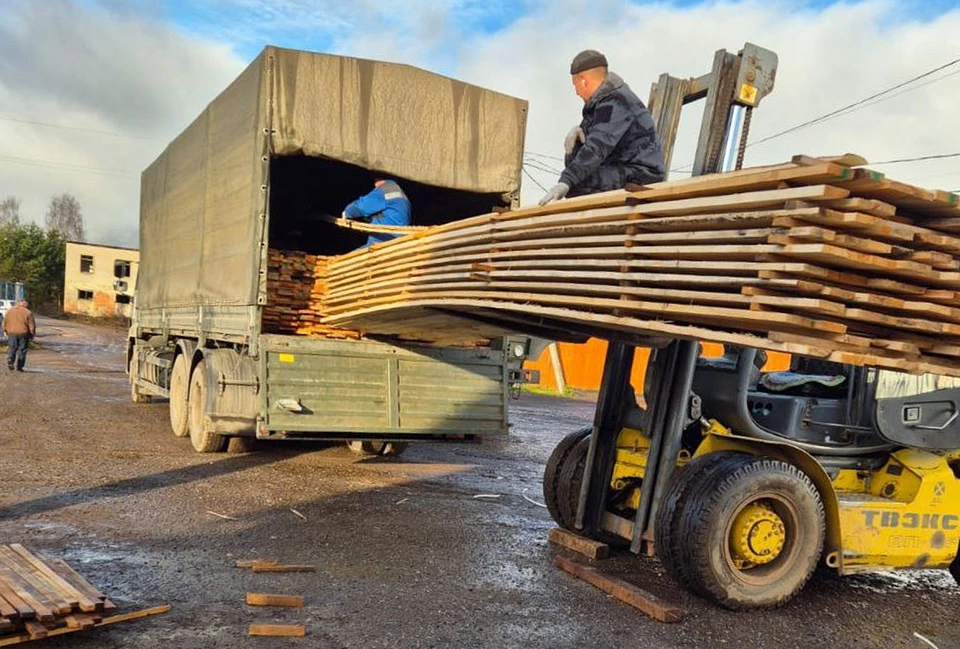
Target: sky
x=91 y=91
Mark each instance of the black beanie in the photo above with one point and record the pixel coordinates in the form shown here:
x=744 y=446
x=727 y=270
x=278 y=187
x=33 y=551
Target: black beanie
x=587 y=60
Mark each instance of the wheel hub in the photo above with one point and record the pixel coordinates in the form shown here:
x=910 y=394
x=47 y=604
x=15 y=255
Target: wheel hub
x=757 y=536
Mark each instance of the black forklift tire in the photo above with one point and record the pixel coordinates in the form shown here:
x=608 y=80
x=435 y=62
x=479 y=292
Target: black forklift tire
x=203 y=440
x=667 y=537
x=365 y=447
x=570 y=482
x=551 y=474
x=238 y=445
x=179 y=389
x=707 y=517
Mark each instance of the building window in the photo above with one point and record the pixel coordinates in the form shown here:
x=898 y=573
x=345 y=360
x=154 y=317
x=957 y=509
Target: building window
x=86 y=263
x=121 y=268
x=84 y=295
x=123 y=299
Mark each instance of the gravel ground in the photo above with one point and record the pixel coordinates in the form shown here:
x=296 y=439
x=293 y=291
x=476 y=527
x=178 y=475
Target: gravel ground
x=405 y=555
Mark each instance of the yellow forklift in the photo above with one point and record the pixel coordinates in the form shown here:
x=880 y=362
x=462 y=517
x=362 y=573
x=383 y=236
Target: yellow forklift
x=741 y=482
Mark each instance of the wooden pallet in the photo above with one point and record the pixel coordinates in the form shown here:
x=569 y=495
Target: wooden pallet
x=42 y=597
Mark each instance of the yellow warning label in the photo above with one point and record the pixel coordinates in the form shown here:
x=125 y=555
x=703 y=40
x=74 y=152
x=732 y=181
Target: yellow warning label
x=748 y=93
x=287 y=358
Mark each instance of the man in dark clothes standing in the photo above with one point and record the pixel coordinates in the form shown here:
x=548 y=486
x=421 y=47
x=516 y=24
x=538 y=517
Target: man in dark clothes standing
x=20 y=327
x=615 y=143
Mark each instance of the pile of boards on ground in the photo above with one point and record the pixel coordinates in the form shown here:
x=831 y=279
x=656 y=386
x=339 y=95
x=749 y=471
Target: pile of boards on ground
x=818 y=257
x=41 y=597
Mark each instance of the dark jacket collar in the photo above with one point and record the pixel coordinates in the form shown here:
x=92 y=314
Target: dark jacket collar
x=611 y=84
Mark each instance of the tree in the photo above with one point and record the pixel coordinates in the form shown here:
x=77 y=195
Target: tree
x=10 y=210
x=64 y=216
x=30 y=255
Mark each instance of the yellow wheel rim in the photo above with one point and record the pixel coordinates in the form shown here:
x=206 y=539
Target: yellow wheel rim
x=757 y=535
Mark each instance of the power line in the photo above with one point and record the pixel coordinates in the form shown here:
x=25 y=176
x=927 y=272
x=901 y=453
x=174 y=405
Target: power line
x=66 y=166
x=544 y=155
x=939 y=156
x=838 y=111
x=21 y=120
x=539 y=167
x=530 y=176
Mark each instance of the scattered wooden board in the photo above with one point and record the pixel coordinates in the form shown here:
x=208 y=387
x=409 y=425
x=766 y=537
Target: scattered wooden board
x=579 y=544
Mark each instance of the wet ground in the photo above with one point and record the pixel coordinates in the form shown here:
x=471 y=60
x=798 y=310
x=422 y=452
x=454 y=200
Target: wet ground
x=406 y=556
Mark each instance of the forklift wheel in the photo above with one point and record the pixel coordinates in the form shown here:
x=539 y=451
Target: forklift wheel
x=751 y=534
x=682 y=484
x=571 y=479
x=551 y=475
x=386 y=449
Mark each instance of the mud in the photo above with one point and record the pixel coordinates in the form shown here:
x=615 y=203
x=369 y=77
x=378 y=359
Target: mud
x=405 y=555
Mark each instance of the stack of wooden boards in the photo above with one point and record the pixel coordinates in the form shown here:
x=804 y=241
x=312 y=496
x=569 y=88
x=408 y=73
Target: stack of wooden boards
x=295 y=289
x=813 y=257
x=46 y=597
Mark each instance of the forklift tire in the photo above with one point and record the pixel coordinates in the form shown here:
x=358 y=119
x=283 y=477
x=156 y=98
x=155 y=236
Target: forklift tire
x=667 y=538
x=751 y=534
x=179 y=387
x=551 y=475
x=569 y=483
x=238 y=445
x=203 y=440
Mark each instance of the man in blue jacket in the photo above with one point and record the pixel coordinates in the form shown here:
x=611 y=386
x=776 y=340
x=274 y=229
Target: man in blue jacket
x=385 y=205
x=615 y=143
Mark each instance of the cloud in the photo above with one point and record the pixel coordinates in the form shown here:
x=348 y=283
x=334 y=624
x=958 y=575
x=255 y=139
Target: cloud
x=829 y=56
x=108 y=71
x=144 y=71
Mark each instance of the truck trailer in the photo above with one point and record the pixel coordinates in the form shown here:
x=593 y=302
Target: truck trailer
x=297 y=136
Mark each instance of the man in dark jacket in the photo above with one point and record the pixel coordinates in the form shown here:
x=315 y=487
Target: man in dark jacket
x=615 y=143
x=20 y=327
x=385 y=205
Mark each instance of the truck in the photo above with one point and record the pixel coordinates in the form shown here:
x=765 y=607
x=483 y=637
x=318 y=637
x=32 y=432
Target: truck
x=298 y=135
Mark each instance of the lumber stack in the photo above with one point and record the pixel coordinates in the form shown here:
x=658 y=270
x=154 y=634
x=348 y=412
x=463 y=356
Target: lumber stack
x=815 y=257
x=295 y=287
x=45 y=597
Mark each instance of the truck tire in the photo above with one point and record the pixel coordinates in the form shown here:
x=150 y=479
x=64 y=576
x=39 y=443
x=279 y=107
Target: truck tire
x=203 y=440
x=680 y=488
x=239 y=445
x=384 y=449
x=751 y=535
x=551 y=474
x=179 y=390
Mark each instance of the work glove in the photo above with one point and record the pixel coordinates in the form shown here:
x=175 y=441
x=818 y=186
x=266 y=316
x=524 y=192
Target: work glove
x=570 y=142
x=556 y=192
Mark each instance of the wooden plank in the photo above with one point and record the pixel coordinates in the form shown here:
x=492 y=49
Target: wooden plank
x=68 y=591
x=624 y=591
x=18 y=638
x=284 y=568
x=250 y=563
x=278 y=630
x=582 y=545
x=73 y=577
x=271 y=599
x=35 y=630
x=11 y=580
x=26 y=576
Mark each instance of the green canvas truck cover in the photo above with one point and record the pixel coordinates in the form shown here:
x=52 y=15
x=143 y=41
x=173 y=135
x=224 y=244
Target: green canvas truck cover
x=203 y=205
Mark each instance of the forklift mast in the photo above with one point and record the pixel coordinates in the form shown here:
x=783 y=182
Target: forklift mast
x=732 y=89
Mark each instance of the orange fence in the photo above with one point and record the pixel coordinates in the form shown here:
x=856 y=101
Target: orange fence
x=582 y=365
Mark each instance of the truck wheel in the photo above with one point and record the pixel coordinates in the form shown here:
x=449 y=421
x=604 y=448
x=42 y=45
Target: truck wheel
x=179 y=388
x=680 y=489
x=365 y=447
x=751 y=535
x=203 y=440
x=385 y=449
x=241 y=444
x=551 y=474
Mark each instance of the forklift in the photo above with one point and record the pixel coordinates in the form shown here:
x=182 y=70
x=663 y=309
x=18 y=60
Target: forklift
x=742 y=482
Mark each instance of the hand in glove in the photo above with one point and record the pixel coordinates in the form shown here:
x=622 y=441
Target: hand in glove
x=570 y=142
x=556 y=192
